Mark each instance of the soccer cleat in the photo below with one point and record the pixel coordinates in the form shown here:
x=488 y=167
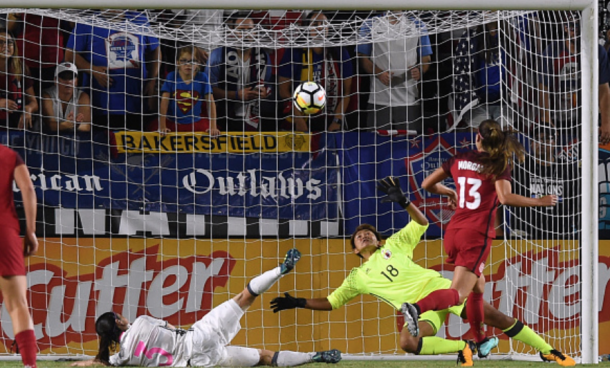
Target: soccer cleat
x=465 y=356
x=411 y=316
x=292 y=257
x=329 y=356
x=485 y=346
x=561 y=359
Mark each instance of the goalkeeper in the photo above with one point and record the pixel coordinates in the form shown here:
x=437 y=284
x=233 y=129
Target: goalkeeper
x=390 y=274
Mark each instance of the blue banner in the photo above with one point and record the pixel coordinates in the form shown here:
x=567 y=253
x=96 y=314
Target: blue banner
x=73 y=172
x=366 y=158
x=336 y=180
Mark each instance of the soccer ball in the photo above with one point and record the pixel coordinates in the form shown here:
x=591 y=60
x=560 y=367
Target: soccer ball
x=309 y=98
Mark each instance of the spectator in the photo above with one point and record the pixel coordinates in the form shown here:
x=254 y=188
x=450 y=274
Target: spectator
x=540 y=175
x=66 y=108
x=17 y=99
x=182 y=106
x=396 y=68
x=123 y=67
x=40 y=41
x=240 y=79
x=330 y=67
x=559 y=80
x=560 y=84
x=208 y=20
x=479 y=69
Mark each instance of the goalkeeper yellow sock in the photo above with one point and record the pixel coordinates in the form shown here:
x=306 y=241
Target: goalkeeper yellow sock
x=520 y=332
x=433 y=345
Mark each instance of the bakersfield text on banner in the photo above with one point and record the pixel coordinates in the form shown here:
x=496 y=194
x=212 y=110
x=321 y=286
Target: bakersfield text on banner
x=247 y=142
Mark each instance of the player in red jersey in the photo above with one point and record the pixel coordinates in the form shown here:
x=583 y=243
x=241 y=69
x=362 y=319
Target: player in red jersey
x=13 y=283
x=482 y=179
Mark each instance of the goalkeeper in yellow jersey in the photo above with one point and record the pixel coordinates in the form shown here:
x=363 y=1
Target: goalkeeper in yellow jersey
x=389 y=273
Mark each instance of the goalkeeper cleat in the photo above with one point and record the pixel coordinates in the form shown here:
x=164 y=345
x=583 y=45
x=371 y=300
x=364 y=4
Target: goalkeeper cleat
x=465 y=356
x=561 y=359
x=329 y=356
x=292 y=257
x=411 y=316
x=484 y=347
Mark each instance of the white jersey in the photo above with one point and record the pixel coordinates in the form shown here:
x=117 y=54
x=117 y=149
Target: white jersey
x=149 y=343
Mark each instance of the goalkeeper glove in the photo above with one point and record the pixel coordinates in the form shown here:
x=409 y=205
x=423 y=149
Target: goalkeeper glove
x=391 y=187
x=289 y=302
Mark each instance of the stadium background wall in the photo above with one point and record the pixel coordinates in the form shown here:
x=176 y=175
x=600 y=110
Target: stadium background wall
x=181 y=280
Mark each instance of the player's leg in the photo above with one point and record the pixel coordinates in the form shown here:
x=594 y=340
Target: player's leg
x=235 y=356
x=469 y=282
x=224 y=320
x=439 y=299
x=476 y=315
x=263 y=282
x=429 y=344
x=14 y=290
x=517 y=330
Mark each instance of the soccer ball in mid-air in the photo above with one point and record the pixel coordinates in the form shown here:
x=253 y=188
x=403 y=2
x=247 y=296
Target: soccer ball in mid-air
x=309 y=98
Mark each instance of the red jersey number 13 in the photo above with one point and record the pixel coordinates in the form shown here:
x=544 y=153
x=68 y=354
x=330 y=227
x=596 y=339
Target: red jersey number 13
x=474 y=196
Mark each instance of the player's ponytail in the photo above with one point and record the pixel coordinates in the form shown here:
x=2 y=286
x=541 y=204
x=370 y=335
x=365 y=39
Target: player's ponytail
x=109 y=333
x=501 y=145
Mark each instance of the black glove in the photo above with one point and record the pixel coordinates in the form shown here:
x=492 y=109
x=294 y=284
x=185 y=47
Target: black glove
x=180 y=331
x=391 y=187
x=289 y=302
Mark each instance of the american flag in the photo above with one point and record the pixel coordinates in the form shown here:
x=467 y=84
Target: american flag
x=463 y=68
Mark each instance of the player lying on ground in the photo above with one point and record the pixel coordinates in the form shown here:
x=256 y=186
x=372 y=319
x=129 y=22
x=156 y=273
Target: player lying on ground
x=389 y=273
x=151 y=342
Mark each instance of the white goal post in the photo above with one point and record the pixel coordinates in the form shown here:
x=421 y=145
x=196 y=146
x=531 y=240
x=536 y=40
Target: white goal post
x=589 y=202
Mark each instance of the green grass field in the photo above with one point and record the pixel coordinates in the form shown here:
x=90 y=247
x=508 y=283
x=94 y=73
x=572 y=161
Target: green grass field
x=366 y=364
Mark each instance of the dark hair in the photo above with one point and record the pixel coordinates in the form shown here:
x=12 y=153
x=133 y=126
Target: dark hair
x=307 y=20
x=361 y=228
x=109 y=333
x=186 y=50
x=501 y=145
x=233 y=18
x=334 y=51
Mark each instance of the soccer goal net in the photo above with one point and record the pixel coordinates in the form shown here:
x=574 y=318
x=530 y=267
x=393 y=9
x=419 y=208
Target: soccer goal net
x=171 y=165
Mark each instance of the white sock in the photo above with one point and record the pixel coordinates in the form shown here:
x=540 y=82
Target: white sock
x=262 y=283
x=291 y=358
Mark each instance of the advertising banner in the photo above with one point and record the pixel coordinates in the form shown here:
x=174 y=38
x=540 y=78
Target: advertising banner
x=181 y=280
x=247 y=142
x=291 y=183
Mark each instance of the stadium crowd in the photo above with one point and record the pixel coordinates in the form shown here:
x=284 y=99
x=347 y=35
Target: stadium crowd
x=59 y=76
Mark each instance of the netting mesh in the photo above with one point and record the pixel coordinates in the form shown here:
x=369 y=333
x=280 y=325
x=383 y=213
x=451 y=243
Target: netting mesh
x=173 y=224
x=274 y=29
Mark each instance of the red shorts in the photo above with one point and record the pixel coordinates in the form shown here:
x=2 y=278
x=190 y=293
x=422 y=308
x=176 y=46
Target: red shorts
x=467 y=248
x=11 y=247
x=202 y=125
